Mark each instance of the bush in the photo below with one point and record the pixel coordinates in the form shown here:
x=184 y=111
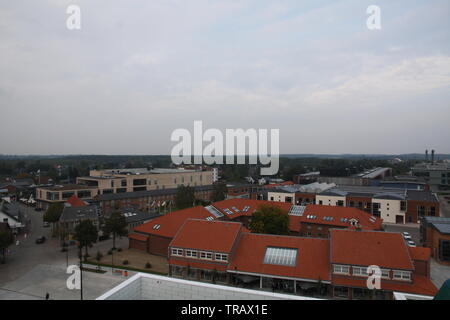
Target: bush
x=99 y=256
x=148 y=265
x=125 y=262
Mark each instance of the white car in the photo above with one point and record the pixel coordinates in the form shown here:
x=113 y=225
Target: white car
x=411 y=243
x=406 y=234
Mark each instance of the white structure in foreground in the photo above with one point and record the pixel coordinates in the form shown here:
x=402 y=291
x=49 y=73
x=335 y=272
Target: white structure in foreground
x=143 y=286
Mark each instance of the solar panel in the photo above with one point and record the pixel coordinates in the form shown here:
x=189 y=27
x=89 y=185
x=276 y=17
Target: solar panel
x=297 y=210
x=280 y=256
x=235 y=209
x=246 y=208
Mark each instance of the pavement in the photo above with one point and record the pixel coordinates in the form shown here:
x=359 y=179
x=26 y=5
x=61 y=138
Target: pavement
x=31 y=270
x=439 y=273
x=412 y=228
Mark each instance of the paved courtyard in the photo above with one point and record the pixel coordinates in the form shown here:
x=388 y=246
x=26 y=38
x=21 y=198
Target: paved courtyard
x=136 y=258
x=52 y=279
x=439 y=273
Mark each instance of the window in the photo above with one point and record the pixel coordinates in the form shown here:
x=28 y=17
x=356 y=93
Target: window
x=177 y=252
x=320 y=202
x=191 y=253
x=360 y=271
x=432 y=211
x=421 y=211
x=444 y=250
x=123 y=183
x=139 y=182
x=340 y=203
x=341 y=292
x=402 y=205
x=339 y=269
x=84 y=194
x=67 y=195
x=386 y=273
x=221 y=257
x=281 y=256
x=402 y=275
x=205 y=255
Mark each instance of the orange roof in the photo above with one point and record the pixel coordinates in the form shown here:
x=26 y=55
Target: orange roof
x=218 y=236
x=312 y=256
x=420 y=253
x=273 y=185
x=138 y=237
x=365 y=248
x=74 y=201
x=203 y=264
x=366 y=220
x=421 y=285
x=241 y=204
x=168 y=225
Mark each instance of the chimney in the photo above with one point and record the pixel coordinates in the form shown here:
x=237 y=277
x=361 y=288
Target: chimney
x=432 y=156
x=426 y=155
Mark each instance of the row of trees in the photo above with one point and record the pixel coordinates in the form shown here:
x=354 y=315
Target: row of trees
x=86 y=233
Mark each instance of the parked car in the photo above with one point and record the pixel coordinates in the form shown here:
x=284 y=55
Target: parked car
x=411 y=243
x=407 y=238
x=46 y=224
x=406 y=234
x=40 y=240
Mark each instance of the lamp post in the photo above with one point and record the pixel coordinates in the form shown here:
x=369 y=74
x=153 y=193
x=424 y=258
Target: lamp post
x=81 y=266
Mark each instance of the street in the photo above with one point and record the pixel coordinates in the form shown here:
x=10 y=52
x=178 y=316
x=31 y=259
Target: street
x=25 y=256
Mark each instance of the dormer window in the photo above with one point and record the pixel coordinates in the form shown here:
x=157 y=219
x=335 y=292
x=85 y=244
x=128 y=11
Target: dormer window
x=402 y=275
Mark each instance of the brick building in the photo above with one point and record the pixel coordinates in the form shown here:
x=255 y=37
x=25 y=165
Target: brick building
x=435 y=234
x=223 y=252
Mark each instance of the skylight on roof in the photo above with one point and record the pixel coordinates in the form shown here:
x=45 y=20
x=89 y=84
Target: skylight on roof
x=156 y=227
x=214 y=211
x=281 y=256
x=297 y=210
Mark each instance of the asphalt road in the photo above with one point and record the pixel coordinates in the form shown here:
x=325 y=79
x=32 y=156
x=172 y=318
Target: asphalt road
x=25 y=256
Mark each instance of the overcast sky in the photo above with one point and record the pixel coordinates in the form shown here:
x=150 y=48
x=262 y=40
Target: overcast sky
x=137 y=70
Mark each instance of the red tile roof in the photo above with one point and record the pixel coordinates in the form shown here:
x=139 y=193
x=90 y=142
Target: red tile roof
x=420 y=253
x=312 y=256
x=421 y=285
x=138 y=237
x=168 y=225
x=74 y=201
x=366 y=220
x=199 y=264
x=273 y=185
x=365 y=248
x=240 y=204
x=218 y=236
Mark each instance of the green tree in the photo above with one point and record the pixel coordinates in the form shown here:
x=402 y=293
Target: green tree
x=269 y=220
x=185 y=197
x=116 y=225
x=219 y=193
x=53 y=213
x=6 y=239
x=86 y=234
